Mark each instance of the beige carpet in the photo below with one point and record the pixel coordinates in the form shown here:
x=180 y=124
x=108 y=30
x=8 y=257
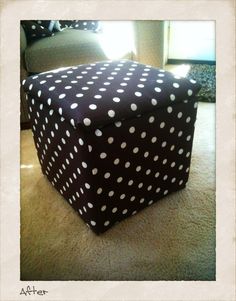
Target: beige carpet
x=173 y=239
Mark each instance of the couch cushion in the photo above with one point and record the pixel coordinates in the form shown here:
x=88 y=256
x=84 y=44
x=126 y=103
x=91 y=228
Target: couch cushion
x=66 y=48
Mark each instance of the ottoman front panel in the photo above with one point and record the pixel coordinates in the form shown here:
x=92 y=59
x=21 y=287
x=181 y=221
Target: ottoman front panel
x=110 y=171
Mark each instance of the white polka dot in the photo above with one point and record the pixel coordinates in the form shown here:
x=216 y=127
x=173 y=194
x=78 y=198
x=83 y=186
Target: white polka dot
x=79 y=95
x=111 y=193
x=87 y=121
x=62 y=96
x=164 y=161
x=67 y=133
x=124 y=211
x=93 y=223
x=83 y=88
x=160 y=81
x=119 y=179
x=103 y=208
x=180 y=182
x=132 y=198
x=169 y=109
x=94 y=171
x=146 y=154
x=114 y=210
x=116 y=99
x=74 y=105
x=39 y=93
x=98 y=133
x=135 y=150
x=123 y=84
x=157 y=89
x=140 y=86
x=143 y=134
x=180 y=114
x=133 y=107
x=99 y=191
x=123 y=145
x=173 y=180
x=120 y=91
x=175 y=85
x=164 y=143
x=180 y=133
x=90 y=205
x=72 y=122
x=181 y=167
x=130 y=183
x=103 y=155
x=190 y=92
x=188 y=154
x=172 y=147
x=138 y=94
x=188 y=119
x=155 y=158
x=154 y=139
x=102 y=89
x=195 y=105
x=188 y=138
x=132 y=129
x=111 y=113
x=173 y=164
x=118 y=124
x=149 y=187
x=110 y=140
x=127 y=164
x=81 y=142
x=106 y=223
x=84 y=165
x=98 y=96
x=180 y=151
x=140 y=185
x=60 y=111
x=116 y=161
x=162 y=125
x=92 y=107
x=154 y=102
x=107 y=175
x=122 y=196
x=172 y=129
x=151 y=119
x=148 y=171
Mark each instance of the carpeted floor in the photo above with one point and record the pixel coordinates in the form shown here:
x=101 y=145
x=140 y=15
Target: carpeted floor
x=173 y=239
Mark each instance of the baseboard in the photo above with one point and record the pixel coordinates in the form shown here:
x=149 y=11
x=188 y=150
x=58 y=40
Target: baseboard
x=177 y=61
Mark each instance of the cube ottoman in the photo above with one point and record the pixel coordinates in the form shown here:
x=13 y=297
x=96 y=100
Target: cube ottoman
x=112 y=137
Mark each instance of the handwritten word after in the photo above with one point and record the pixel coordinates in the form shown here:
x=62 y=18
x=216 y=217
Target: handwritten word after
x=32 y=291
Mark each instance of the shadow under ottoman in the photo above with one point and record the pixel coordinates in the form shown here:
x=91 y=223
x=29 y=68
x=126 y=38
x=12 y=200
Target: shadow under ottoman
x=112 y=137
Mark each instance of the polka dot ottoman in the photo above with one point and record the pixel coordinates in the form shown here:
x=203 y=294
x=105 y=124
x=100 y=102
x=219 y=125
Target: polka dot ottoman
x=112 y=137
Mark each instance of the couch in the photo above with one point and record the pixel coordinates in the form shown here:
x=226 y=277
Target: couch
x=73 y=47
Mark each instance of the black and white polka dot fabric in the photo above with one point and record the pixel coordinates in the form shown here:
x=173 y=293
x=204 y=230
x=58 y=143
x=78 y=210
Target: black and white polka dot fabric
x=37 y=29
x=112 y=137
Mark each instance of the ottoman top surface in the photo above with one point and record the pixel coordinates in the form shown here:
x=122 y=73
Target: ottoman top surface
x=94 y=95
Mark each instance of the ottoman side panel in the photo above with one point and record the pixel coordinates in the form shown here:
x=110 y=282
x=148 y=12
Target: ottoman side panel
x=64 y=156
x=138 y=161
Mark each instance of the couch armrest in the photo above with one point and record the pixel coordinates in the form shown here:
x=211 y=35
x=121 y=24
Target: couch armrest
x=23 y=41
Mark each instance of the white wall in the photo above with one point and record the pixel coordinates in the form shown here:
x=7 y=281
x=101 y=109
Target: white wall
x=193 y=40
